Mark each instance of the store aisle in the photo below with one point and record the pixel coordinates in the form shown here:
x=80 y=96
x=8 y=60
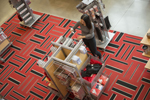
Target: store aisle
x=129 y=16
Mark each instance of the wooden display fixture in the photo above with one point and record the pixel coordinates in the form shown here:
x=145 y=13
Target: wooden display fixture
x=146 y=41
x=147 y=66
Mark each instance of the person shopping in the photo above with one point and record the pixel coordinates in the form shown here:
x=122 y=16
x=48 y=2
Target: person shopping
x=87 y=29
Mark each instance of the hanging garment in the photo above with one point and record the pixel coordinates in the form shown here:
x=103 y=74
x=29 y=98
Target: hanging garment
x=107 y=22
x=99 y=34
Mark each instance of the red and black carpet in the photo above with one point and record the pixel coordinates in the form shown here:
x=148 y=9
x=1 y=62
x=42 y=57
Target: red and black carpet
x=22 y=79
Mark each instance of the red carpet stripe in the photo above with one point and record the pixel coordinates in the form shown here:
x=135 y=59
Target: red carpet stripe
x=37 y=95
x=120 y=50
x=119 y=37
x=4 y=54
x=6 y=72
x=9 y=73
x=4 y=69
x=113 y=97
x=20 y=57
x=113 y=45
x=17 y=60
x=7 y=27
x=9 y=91
x=14 y=64
x=130 y=53
x=133 y=38
x=18 y=73
x=9 y=56
x=45 y=40
x=25 y=64
x=44 y=27
x=36 y=73
x=21 y=29
x=139 y=59
x=46 y=18
x=125 y=52
x=131 y=42
x=14 y=80
x=21 y=42
x=114 y=69
x=119 y=61
x=39 y=36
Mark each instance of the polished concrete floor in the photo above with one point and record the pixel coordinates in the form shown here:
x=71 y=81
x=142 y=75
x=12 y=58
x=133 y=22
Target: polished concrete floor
x=128 y=16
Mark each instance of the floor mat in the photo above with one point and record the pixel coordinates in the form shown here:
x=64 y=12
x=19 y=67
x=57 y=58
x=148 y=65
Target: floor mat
x=22 y=79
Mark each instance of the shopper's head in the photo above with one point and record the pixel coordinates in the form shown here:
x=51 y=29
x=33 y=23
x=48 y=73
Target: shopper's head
x=85 y=20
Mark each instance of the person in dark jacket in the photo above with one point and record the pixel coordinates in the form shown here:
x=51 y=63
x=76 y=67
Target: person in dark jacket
x=87 y=29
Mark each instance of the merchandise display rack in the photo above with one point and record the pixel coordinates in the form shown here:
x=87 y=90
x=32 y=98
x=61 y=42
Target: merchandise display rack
x=93 y=9
x=4 y=43
x=65 y=75
x=25 y=13
x=146 y=41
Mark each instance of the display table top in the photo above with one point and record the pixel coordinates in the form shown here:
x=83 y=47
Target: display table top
x=145 y=40
x=147 y=66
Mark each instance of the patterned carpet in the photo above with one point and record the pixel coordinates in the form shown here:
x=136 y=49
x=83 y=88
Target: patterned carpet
x=22 y=79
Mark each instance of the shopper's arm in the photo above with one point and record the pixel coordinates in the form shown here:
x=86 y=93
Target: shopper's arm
x=76 y=25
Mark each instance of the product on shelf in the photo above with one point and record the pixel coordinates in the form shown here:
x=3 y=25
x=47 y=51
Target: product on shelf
x=102 y=80
x=96 y=89
x=83 y=49
x=76 y=59
x=93 y=13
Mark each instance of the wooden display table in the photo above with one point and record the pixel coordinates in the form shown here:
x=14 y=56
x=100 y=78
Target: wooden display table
x=146 y=41
x=147 y=66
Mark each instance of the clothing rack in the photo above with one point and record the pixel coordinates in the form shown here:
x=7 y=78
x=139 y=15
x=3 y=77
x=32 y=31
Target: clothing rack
x=65 y=74
x=93 y=9
x=24 y=12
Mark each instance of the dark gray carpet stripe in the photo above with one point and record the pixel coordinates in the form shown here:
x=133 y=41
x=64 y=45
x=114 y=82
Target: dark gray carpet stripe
x=114 y=31
x=62 y=21
x=19 y=94
x=9 y=91
x=5 y=23
x=20 y=57
x=113 y=96
x=67 y=23
x=39 y=36
x=138 y=93
x=128 y=69
x=36 y=73
x=131 y=42
x=146 y=94
x=41 y=16
x=14 y=64
x=55 y=98
x=47 y=55
x=66 y=33
x=109 y=51
x=3 y=87
x=146 y=80
x=17 y=60
x=35 y=41
x=127 y=85
x=113 y=45
x=104 y=93
x=46 y=18
x=125 y=52
x=71 y=35
x=40 y=23
x=9 y=55
x=15 y=47
x=40 y=51
x=9 y=73
x=15 y=33
x=124 y=99
x=44 y=28
x=1 y=66
x=42 y=85
x=21 y=42
x=28 y=97
x=139 y=51
x=130 y=53
x=40 y=89
x=48 y=96
x=119 y=61
x=37 y=95
x=119 y=37
x=49 y=29
x=14 y=80
x=14 y=97
x=122 y=92
x=45 y=40
x=5 y=53
x=35 y=28
x=4 y=69
x=11 y=18
x=43 y=78
x=133 y=38
x=48 y=42
x=20 y=74
x=25 y=64
x=114 y=69
x=148 y=71
x=7 y=27
x=21 y=29
x=120 y=50
x=139 y=60
x=1 y=83
x=30 y=67
x=34 y=56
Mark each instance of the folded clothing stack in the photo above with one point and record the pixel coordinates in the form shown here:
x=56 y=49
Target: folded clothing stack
x=91 y=70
